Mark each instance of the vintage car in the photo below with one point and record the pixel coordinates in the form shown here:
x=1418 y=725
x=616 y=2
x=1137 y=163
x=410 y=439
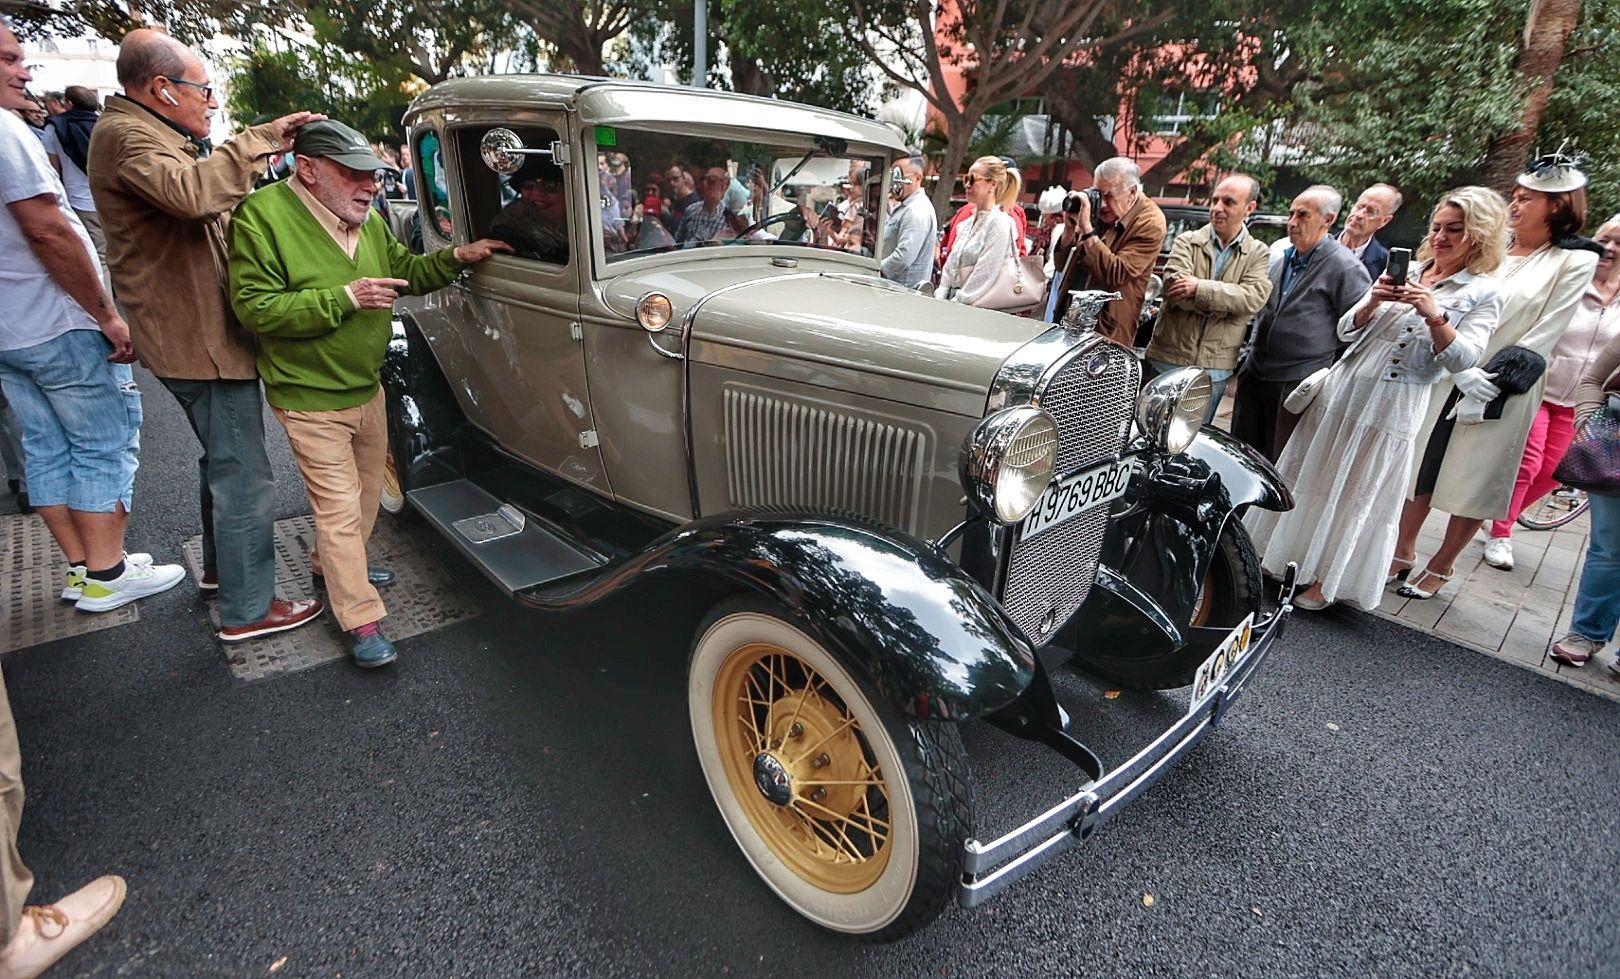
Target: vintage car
x=900 y=514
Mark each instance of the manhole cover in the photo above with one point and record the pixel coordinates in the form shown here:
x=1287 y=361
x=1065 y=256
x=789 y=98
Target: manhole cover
x=31 y=569
x=422 y=598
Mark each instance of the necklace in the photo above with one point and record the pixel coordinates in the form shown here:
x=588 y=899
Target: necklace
x=1520 y=261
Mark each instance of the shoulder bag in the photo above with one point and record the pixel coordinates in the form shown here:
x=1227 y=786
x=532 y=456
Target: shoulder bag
x=1593 y=460
x=1019 y=284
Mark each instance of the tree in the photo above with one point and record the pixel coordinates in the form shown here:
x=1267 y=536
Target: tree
x=578 y=30
x=1001 y=48
x=270 y=82
x=1581 y=108
x=1546 y=36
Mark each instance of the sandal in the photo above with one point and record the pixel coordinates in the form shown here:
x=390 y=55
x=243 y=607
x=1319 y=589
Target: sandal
x=1410 y=589
x=1398 y=575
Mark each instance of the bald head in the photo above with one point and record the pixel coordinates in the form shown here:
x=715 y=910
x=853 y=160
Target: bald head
x=146 y=54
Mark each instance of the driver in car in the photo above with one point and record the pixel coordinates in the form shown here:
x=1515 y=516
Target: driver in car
x=536 y=223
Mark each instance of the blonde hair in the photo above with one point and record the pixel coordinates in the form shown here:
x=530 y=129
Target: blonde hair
x=1484 y=222
x=1005 y=181
x=1613 y=224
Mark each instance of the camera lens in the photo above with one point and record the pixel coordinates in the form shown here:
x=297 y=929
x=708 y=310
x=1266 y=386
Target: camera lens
x=1071 y=204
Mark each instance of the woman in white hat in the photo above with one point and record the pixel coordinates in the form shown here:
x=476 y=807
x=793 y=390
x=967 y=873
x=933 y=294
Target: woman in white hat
x=1474 y=434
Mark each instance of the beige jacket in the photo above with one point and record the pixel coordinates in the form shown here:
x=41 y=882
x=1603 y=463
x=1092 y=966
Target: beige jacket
x=164 y=211
x=1207 y=330
x=1481 y=461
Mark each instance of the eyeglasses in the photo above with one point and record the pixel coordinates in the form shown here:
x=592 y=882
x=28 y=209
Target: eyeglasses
x=207 y=90
x=969 y=179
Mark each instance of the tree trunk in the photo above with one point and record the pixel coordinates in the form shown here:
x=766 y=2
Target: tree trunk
x=1546 y=37
x=958 y=132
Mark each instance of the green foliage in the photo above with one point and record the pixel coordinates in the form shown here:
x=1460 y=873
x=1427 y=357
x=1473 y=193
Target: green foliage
x=270 y=83
x=1582 y=107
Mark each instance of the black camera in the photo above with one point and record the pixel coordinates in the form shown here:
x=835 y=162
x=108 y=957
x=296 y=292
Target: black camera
x=1071 y=204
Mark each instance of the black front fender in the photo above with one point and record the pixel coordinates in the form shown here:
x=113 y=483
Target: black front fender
x=926 y=634
x=424 y=418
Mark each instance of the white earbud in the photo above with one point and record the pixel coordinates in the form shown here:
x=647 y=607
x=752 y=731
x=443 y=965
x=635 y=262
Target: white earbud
x=169 y=98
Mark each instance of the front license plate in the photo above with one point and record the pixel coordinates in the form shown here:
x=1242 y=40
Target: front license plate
x=1222 y=661
x=1073 y=495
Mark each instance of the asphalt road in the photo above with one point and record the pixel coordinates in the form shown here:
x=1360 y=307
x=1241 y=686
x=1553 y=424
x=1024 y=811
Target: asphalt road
x=518 y=796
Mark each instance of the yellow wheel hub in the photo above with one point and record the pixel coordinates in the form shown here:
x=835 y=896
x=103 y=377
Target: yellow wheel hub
x=798 y=762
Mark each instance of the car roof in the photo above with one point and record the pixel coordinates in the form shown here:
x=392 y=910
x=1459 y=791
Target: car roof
x=609 y=101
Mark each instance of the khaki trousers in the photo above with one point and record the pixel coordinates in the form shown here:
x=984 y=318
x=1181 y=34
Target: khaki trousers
x=341 y=455
x=15 y=880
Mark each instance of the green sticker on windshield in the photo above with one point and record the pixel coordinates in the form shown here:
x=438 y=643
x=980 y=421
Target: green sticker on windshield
x=607 y=136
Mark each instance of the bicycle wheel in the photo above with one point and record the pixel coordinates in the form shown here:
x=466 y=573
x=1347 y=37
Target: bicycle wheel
x=1554 y=510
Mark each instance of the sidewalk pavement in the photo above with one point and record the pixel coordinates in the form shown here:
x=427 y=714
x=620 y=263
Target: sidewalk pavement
x=1511 y=615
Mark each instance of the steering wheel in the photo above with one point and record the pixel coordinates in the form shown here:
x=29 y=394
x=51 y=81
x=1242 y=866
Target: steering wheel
x=766 y=222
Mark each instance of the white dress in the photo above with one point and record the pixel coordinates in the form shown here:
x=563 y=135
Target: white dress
x=1348 y=460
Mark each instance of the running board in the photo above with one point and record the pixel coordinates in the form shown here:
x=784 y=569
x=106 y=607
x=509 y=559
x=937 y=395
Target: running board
x=515 y=549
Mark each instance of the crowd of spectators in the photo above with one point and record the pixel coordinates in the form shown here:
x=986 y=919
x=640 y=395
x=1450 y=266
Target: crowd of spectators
x=1453 y=381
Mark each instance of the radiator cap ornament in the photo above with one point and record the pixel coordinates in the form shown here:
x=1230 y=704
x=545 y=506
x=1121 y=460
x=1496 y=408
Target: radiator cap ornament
x=1085 y=309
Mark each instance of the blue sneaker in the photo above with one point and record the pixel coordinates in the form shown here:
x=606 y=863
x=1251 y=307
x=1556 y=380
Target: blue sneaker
x=373 y=650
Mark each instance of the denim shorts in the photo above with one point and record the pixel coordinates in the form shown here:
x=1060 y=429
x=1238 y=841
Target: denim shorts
x=81 y=421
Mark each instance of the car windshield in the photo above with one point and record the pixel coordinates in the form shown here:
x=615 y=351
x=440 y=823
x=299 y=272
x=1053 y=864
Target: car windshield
x=661 y=191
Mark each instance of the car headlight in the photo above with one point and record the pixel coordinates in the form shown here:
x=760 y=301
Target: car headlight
x=1171 y=408
x=1007 y=462
x=654 y=312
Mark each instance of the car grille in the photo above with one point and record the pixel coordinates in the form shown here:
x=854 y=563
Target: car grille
x=1049 y=578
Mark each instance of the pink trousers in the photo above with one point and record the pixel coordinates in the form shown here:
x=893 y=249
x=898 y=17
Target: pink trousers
x=1550 y=435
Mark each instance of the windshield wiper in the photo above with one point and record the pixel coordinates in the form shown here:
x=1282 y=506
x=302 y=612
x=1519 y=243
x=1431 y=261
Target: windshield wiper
x=828 y=145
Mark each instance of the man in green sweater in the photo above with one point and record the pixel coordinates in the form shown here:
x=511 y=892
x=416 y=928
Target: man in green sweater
x=314 y=272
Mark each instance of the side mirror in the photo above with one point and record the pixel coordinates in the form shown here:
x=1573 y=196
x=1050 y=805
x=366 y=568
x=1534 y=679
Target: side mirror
x=503 y=151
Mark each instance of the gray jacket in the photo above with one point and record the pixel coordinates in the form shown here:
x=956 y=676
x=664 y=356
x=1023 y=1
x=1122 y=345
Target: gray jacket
x=1469 y=301
x=1297 y=333
x=910 y=232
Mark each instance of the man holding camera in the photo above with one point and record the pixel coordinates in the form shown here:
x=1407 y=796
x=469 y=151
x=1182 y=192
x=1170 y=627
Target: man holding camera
x=911 y=228
x=1111 y=240
x=1215 y=281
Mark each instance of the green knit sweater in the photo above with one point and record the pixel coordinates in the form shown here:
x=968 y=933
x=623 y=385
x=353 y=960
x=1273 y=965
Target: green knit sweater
x=317 y=352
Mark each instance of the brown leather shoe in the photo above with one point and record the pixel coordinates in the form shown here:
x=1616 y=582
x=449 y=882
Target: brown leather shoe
x=45 y=934
x=283 y=615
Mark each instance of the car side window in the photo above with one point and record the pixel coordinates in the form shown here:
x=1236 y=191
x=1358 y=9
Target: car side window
x=432 y=193
x=527 y=209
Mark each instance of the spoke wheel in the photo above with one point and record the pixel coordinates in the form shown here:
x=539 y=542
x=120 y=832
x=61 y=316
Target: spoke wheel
x=854 y=814
x=393 y=493
x=1554 y=510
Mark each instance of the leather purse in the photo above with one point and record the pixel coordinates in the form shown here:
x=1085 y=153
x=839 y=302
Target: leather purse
x=1301 y=397
x=1019 y=284
x=1593 y=460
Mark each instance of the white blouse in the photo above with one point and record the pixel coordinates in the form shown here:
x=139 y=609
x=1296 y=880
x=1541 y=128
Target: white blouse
x=982 y=248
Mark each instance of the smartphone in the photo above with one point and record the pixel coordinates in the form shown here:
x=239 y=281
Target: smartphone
x=1400 y=259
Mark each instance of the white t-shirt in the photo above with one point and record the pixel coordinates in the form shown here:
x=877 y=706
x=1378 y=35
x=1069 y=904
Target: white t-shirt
x=77 y=184
x=33 y=308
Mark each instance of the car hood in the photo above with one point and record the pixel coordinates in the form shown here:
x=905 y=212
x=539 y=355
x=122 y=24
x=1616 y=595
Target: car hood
x=821 y=323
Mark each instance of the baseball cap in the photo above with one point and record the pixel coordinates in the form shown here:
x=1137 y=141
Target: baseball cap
x=337 y=142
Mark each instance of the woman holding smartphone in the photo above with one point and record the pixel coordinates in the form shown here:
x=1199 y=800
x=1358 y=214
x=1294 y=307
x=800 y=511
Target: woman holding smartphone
x=1474 y=435
x=1349 y=460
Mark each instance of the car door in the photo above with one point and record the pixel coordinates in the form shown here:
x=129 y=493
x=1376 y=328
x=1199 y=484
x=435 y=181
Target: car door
x=525 y=306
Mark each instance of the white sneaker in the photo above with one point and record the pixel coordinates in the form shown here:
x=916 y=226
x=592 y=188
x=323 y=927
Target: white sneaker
x=137 y=581
x=73 y=584
x=1499 y=553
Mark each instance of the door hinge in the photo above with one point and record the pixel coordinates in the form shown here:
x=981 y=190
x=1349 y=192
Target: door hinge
x=576 y=331
x=587 y=439
x=560 y=154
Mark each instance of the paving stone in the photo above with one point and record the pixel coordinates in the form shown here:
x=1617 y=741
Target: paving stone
x=1477 y=621
x=31 y=568
x=422 y=598
x=1557 y=569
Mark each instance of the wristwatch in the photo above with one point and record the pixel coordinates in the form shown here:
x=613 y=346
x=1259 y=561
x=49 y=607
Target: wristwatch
x=1436 y=320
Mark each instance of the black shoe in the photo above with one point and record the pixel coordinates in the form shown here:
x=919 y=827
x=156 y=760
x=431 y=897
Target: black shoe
x=378 y=576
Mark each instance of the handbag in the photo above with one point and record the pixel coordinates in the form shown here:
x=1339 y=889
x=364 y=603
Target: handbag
x=1592 y=462
x=1019 y=284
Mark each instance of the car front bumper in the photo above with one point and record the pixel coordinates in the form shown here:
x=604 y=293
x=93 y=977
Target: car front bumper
x=989 y=868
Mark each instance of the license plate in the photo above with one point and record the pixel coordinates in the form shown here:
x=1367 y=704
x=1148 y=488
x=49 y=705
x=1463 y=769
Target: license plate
x=1222 y=661
x=1075 y=494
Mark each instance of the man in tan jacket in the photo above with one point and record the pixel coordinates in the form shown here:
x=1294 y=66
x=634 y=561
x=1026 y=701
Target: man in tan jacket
x=1114 y=249
x=1214 y=283
x=164 y=199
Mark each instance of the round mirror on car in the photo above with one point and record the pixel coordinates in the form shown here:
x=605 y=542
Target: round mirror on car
x=1155 y=289
x=502 y=151
x=1170 y=410
x=654 y=312
x=1007 y=462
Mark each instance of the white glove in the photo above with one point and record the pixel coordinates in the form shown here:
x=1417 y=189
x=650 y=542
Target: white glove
x=1470 y=410
x=1476 y=383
